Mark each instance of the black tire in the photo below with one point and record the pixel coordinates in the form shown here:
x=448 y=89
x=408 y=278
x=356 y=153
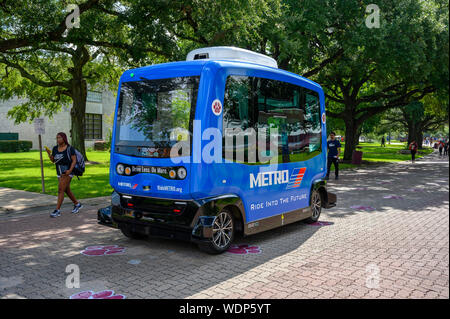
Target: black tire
x=223 y=234
x=131 y=234
x=315 y=203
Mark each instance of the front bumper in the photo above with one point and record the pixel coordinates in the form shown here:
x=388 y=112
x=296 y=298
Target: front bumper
x=184 y=220
x=104 y=217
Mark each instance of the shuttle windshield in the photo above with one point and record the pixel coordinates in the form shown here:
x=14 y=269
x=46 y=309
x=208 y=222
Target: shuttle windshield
x=154 y=115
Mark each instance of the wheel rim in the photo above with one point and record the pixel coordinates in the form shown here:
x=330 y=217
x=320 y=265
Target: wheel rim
x=222 y=230
x=315 y=205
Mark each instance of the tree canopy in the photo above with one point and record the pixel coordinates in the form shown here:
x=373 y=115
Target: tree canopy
x=51 y=65
x=365 y=71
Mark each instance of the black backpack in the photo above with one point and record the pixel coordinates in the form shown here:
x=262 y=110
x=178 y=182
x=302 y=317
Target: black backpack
x=79 y=168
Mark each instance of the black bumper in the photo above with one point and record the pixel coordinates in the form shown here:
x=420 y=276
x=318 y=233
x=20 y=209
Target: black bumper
x=183 y=220
x=104 y=217
x=331 y=200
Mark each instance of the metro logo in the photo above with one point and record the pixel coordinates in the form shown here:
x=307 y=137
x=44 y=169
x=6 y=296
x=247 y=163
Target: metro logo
x=278 y=177
x=269 y=178
x=296 y=177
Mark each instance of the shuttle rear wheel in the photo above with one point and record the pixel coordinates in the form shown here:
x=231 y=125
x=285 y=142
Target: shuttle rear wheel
x=316 y=207
x=223 y=234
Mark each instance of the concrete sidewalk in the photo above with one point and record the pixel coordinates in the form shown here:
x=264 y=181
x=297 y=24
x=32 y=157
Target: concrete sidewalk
x=14 y=202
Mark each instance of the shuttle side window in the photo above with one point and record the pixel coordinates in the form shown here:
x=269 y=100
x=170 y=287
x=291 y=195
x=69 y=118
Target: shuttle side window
x=254 y=106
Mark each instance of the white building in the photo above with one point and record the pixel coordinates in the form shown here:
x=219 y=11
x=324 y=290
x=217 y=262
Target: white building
x=99 y=106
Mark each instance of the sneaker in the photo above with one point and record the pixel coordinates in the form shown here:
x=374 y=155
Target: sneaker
x=56 y=213
x=327 y=178
x=76 y=208
x=337 y=177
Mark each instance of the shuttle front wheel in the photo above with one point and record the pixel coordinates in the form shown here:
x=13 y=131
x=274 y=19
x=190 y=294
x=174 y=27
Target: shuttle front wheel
x=222 y=234
x=316 y=207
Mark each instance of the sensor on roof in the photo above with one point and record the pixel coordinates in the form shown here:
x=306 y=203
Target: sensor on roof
x=231 y=53
x=201 y=56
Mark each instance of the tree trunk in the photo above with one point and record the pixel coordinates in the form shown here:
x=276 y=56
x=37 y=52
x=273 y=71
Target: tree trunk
x=77 y=114
x=419 y=138
x=351 y=136
x=358 y=135
x=78 y=89
x=415 y=133
x=412 y=132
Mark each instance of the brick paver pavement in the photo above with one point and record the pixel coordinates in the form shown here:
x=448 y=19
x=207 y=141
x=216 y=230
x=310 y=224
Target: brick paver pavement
x=398 y=250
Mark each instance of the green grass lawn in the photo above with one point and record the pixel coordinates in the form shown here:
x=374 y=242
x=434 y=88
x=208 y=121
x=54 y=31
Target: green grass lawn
x=373 y=152
x=22 y=171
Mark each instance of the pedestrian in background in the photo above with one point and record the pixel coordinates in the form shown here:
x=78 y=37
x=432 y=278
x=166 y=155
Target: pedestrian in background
x=383 y=142
x=63 y=155
x=334 y=150
x=441 y=148
x=413 y=148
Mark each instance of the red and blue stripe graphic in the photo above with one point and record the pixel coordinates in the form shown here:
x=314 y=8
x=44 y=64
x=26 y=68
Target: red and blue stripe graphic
x=296 y=177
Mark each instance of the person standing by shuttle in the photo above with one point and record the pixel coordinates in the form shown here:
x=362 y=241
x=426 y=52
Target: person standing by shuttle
x=334 y=150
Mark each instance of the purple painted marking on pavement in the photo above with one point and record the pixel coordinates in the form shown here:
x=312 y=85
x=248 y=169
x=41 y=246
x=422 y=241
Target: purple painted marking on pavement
x=89 y=294
x=244 y=249
x=103 y=250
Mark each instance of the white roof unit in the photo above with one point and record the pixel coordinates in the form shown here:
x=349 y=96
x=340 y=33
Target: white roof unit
x=231 y=53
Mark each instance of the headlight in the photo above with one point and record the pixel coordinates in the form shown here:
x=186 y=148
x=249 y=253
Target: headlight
x=172 y=173
x=119 y=169
x=181 y=173
x=127 y=171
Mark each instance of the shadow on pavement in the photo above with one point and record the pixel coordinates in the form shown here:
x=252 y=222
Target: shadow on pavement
x=166 y=269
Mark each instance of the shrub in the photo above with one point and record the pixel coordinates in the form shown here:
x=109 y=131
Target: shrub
x=100 y=145
x=108 y=139
x=15 y=146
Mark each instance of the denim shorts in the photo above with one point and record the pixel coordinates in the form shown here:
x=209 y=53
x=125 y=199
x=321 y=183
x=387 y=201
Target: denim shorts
x=71 y=175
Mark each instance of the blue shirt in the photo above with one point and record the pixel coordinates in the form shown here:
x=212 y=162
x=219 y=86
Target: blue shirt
x=62 y=159
x=333 y=147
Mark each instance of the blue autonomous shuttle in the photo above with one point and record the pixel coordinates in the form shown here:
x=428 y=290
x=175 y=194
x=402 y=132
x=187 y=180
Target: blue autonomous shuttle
x=222 y=144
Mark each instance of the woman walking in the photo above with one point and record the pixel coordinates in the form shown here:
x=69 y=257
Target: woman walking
x=441 y=148
x=413 y=148
x=63 y=155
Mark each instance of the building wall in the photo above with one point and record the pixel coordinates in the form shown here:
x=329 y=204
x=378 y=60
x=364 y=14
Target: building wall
x=60 y=122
